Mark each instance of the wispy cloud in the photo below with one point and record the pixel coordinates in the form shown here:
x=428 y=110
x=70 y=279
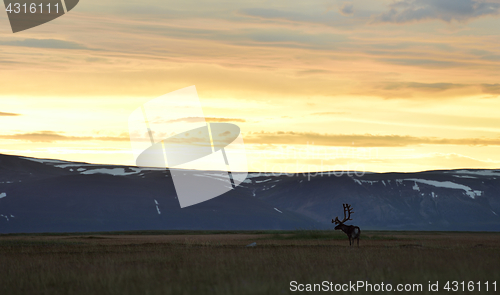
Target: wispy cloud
x=329 y=113
x=433 y=63
x=420 y=90
x=45 y=43
x=312 y=72
x=446 y=10
x=8 y=114
x=413 y=89
x=201 y=119
x=491 y=88
x=51 y=136
x=213 y=119
x=346 y=9
x=428 y=87
x=361 y=140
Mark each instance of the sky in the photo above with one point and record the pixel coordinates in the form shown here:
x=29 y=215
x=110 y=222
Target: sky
x=362 y=85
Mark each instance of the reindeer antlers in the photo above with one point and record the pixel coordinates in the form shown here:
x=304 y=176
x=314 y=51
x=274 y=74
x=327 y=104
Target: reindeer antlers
x=348 y=210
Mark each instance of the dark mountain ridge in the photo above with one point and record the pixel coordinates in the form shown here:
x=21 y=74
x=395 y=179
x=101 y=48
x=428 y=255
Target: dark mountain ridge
x=41 y=195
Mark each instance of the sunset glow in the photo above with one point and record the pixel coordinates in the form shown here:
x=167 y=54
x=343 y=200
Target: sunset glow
x=314 y=85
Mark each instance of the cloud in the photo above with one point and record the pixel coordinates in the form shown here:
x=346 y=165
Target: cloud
x=8 y=62
x=426 y=87
x=210 y=119
x=51 y=136
x=346 y=9
x=45 y=43
x=201 y=119
x=405 y=11
x=300 y=14
x=8 y=114
x=312 y=72
x=281 y=137
x=491 y=88
x=424 y=63
x=360 y=140
x=329 y=113
x=410 y=90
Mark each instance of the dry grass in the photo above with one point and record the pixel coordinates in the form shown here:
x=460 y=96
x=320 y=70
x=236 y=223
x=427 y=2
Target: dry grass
x=221 y=264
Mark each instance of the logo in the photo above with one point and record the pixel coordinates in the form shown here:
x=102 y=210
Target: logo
x=26 y=14
x=205 y=159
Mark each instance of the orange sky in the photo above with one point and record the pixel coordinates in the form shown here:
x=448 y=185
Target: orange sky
x=406 y=85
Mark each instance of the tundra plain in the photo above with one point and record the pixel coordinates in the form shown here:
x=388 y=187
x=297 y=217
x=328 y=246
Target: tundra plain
x=219 y=262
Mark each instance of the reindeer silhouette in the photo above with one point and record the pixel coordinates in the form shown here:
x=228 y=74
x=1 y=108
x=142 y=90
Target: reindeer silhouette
x=353 y=232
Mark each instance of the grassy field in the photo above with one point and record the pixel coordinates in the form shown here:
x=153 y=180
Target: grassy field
x=187 y=262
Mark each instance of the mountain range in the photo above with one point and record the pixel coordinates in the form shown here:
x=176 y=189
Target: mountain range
x=46 y=195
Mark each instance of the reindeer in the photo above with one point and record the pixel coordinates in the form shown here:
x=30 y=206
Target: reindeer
x=352 y=232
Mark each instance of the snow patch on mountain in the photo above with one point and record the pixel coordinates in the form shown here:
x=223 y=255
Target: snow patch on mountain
x=219 y=177
x=446 y=184
x=43 y=161
x=258 y=174
x=157 y=208
x=464 y=176
x=112 y=171
x=370 y=182
x=261 y=181
x=73 y=165
x=478 y=172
